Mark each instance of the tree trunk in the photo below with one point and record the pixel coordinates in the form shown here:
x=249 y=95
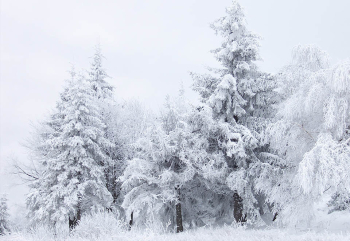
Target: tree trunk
x=131 y=220
x=179 y=227
x=274 y=217
x=238 y=208
x=73 y=222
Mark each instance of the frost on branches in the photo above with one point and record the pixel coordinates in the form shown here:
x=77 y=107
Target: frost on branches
x=238 y=90
x=154 y=178
x=97 y=76
x=188 y=159
x=311 y=135
x=108 y=110
x=72 y=181
x=242 y=96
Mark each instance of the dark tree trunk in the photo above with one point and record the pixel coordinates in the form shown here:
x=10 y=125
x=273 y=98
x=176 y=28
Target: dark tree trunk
x=238 y=208
x=274 y=217
x=179 y=227
x=74 y=221
x=54 y=228
x=131 y=220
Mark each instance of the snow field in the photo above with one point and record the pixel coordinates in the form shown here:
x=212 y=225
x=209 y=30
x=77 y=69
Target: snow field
x=204 y=234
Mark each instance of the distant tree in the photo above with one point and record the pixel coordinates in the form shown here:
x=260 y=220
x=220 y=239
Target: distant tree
x=4 y=216
x=133 y=122
x=72 y=181
x=97 y=76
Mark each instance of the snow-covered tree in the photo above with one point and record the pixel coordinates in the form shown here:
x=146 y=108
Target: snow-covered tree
x=242 y=96
x=108 y=110
x=97 y=76
x=184 y=163
x=73 y=180
x=238 y=90
x=152 y=180
x=126 y=122
x=311 y=135
x=132 y=123
x=4 y=216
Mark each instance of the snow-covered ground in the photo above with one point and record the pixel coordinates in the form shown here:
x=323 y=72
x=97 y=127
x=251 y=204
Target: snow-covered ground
x=204 y=234
x=107 y=227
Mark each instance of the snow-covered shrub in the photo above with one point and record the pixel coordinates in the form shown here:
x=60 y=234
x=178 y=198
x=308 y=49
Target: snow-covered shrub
x=41 y=232
x=98 y=225
x=340 y=201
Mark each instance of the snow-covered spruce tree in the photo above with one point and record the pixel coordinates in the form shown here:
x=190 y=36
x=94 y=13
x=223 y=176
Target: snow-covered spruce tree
x=40 y=151
x=240 y=94
x=73 y=180
x=219 y=154
x=311 y=136
x=108 y=110
x=4 y=216
x=237 y=91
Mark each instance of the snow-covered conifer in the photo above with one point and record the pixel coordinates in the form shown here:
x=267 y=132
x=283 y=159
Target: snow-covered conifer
x=108 y=110
x=97 y=76
x=242 y=96
x=73 y=180
x=4 y=216
x=238 y=90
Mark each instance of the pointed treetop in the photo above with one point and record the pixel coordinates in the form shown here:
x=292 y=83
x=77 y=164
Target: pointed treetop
x=97 y=76
x=240 y=46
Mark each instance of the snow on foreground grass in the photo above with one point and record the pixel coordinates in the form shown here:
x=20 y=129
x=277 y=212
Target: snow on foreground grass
x=107 y=227
x=203 y=234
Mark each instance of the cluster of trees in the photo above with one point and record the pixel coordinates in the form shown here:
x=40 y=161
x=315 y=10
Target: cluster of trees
x=4 y=216
x=257 y=145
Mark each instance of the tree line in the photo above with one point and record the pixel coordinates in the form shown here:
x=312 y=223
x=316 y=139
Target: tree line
x=258 y=148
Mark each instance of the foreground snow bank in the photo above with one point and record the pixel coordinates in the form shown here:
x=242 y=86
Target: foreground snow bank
x=203 y=234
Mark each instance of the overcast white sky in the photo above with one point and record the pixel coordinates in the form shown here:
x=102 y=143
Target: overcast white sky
x=150 y=46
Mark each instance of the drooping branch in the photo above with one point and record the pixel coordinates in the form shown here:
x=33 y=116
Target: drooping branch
x=26 y=173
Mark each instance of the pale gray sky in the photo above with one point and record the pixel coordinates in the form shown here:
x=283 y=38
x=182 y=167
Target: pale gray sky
x=149 y=47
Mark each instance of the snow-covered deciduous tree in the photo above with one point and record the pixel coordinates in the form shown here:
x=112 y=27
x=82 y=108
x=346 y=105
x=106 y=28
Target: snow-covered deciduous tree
x=153 y=179
x=132 y=123
x=127 y=122
x=311 y=135
x=73 y=180
x=4 y=216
